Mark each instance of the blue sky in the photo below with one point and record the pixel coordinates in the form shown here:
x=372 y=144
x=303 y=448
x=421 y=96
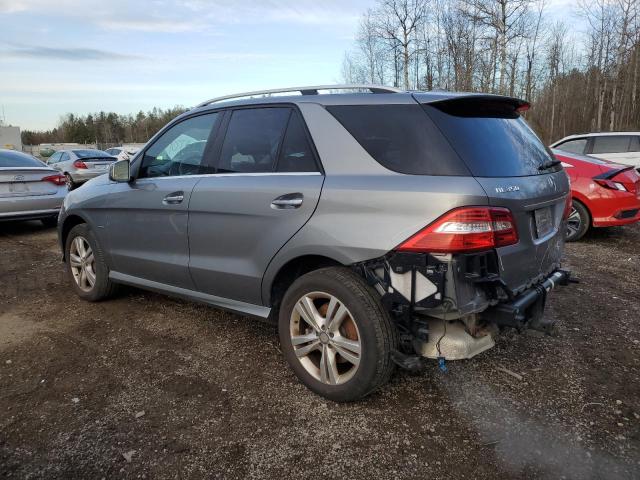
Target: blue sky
x=59 y=56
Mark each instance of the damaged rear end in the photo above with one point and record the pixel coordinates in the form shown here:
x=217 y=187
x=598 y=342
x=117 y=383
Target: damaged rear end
x=452 y=285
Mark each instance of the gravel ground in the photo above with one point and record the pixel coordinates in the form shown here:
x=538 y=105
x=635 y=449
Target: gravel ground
x=145 y=386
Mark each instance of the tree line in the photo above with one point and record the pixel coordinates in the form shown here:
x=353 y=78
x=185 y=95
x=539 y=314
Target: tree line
x=104 y=128
x=577 y=81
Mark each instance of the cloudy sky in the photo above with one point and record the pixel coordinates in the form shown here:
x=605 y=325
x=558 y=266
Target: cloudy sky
x=59 y=56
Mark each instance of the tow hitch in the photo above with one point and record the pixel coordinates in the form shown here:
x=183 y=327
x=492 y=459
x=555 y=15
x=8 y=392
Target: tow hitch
x=526 y=310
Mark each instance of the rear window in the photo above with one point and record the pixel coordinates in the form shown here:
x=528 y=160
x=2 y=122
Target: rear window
x=10 y=159
x=91 y=154
x=491 y=137
x=401 y=138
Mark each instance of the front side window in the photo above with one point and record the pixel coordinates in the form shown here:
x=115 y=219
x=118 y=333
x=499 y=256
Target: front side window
x=252 y=140
x=180 y=150
x=573 y=146
x=55 y=158
x=611 y=144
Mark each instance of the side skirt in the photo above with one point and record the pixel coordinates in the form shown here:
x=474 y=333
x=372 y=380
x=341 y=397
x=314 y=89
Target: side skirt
x=234 y=306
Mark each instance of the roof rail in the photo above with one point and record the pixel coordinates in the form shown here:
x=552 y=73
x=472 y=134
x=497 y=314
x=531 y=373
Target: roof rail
x=313 y=90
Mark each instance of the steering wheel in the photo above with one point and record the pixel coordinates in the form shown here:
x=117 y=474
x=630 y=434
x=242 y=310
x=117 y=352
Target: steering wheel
x=189 y=165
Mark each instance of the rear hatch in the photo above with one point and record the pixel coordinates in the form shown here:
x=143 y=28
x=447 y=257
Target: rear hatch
x=26 y=182
x=94 y=160
x=516 y=171
x=98 y=163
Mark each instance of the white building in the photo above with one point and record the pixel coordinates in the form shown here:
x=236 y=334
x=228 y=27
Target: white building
x=10 y=138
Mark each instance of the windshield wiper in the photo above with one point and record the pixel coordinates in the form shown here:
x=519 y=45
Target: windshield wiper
x=549 y=164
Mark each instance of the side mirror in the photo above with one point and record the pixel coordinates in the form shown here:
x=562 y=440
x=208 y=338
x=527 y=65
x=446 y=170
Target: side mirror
x=120 y=171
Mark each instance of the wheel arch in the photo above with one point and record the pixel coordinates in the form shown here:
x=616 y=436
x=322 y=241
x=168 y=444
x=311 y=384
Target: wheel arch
x=275 y=288
x=582 y=200
x=69 y=222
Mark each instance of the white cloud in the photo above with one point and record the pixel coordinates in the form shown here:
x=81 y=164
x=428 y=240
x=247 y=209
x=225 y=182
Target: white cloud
x=175 y=16
x=150 y=25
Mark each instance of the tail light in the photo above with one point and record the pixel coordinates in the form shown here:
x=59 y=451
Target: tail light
x=610 y=184
x=55 y=179
x=466 y=229
x=79 y=164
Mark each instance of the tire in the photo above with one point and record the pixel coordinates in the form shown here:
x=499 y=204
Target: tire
x=71 y=185
x=578 y=222
x=102 y=287
x=50 y=222
x=365 y=323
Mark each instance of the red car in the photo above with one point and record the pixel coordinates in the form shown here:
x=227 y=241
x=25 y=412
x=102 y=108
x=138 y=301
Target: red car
x=605 y=194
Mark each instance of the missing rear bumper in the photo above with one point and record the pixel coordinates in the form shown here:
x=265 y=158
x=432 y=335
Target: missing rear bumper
x=526 y=310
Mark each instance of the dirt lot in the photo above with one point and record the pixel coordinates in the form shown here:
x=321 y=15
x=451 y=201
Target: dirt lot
x=144 y=386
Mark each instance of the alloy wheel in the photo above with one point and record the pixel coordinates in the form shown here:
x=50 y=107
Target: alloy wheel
x=82 y=262
x=574 y=222
x=325 y=338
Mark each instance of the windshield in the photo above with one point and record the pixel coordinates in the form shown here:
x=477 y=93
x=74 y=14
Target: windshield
x=11 y=159
x=91 y=154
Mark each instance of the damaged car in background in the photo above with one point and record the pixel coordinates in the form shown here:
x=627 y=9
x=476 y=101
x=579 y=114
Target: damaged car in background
x=376 y=227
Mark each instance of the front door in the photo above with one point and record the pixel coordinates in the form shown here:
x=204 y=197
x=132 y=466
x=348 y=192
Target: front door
x=148 y=217
x=266 y=187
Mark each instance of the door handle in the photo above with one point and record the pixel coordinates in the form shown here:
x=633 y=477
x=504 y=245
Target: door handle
x=173 y=198
x=288 y=201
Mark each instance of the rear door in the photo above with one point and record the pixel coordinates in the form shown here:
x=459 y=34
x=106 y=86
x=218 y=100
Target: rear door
x=517 y=172
x=266 y=187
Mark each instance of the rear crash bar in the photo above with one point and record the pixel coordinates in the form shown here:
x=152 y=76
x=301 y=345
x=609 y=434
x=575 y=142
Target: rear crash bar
x=526 y=309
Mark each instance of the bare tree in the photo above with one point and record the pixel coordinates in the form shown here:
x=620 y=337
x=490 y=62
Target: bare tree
x=399 y=20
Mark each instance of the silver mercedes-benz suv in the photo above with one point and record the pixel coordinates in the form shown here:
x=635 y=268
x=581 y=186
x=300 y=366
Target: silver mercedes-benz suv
x=376 y=227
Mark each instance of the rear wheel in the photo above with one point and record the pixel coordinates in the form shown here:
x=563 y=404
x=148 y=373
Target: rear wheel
x=71 y=185
x=578 y=222
x=86 y=266
x=335 y=334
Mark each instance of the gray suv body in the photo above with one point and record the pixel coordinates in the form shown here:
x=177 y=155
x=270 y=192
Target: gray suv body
x=374 y=228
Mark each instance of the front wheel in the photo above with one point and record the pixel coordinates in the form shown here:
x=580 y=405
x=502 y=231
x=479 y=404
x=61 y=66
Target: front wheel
x=578 y=222
x=86 y=266
x=335 y=334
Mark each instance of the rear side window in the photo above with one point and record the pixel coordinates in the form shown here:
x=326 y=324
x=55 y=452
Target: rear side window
x=296 y=154
x=635 y=144
x=11 y=159
x=252 y=140
x=491 y=138
x=573 y=146
x=611 y=144
x=401 y=138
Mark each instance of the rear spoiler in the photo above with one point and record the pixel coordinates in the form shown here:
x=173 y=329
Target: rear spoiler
x=612 y=173
x=97 y=158
x=477 y=105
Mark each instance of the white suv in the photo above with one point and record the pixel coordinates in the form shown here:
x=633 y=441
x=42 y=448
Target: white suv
x=619 y=147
